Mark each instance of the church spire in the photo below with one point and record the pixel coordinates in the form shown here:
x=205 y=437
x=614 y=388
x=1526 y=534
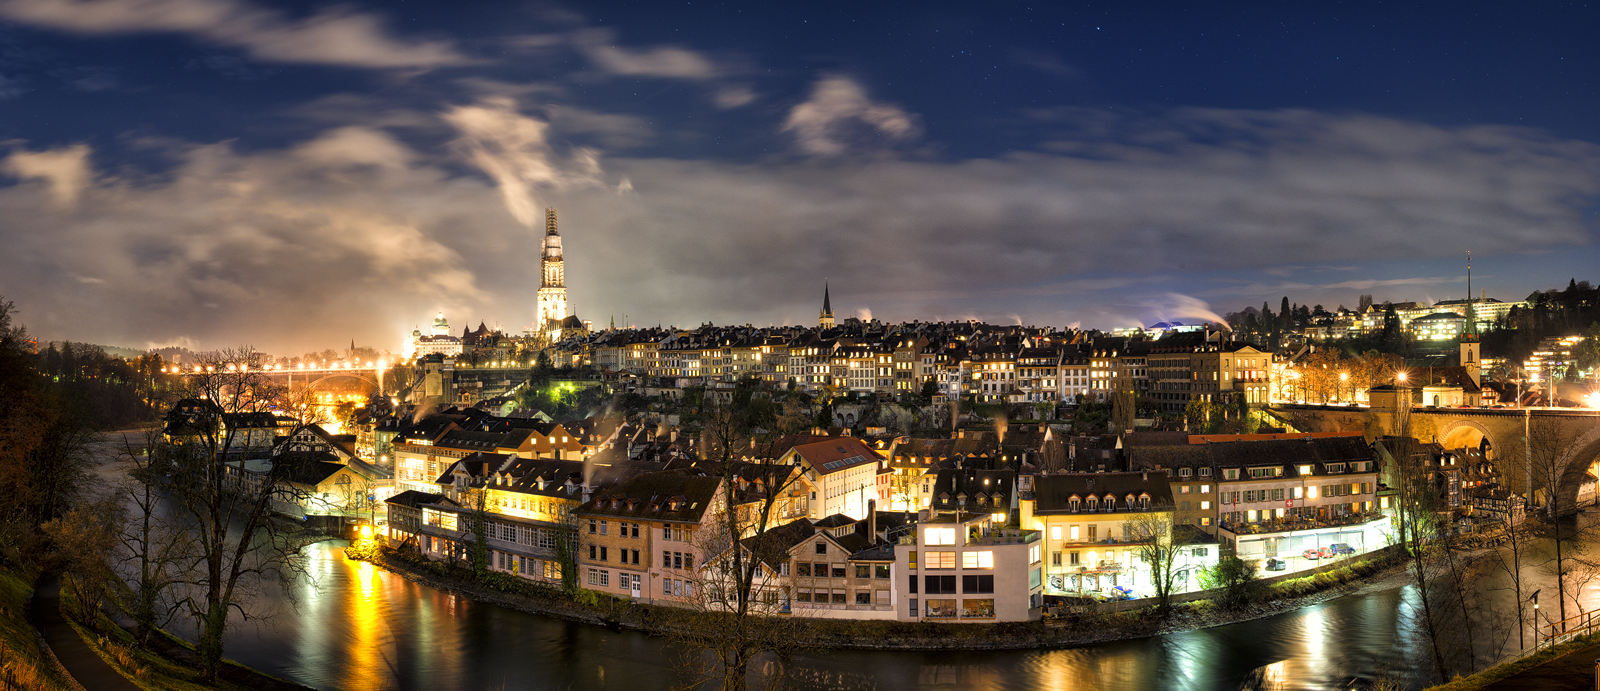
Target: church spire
x=550 y=221
x=825 y=320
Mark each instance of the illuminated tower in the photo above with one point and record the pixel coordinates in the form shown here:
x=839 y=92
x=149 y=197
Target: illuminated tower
x=1469 y=358
x=552 y=278
x=826 y=318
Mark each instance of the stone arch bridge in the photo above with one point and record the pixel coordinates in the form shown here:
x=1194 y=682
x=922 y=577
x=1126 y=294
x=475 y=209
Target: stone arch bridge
x=1520 y=442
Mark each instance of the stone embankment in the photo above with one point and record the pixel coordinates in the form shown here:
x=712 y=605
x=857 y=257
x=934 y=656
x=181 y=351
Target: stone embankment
x=1379 y=573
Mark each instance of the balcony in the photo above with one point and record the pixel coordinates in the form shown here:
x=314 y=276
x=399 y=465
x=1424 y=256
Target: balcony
x=1005 y=536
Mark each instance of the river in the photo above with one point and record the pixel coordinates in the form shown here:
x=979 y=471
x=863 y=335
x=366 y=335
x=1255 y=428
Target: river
x=359 y=627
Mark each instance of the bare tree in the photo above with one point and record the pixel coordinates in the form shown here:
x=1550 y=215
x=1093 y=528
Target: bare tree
x=226 y=504
x=1417 y=526
x=1555 y=487
x=83 y=539
x=153 y=548
x=1158 y=543
x=734 y=622
x=1514 y=528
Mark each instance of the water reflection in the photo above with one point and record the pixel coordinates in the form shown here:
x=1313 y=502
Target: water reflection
x=364 y=628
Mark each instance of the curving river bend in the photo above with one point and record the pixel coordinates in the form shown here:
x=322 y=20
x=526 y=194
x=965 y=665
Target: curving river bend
x=360 y=627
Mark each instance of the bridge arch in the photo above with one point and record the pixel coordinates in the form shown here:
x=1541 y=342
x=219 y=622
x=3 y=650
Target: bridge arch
x=1464 y=433
x=335 y=375
x=1578 y=459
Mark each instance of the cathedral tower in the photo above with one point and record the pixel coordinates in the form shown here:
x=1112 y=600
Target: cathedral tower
x=552 y=278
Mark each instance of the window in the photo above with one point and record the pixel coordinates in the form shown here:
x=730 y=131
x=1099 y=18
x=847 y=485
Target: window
x=1205 y=506
x=977 y=560
x=1205 y=472
x=939 y=585
x=605 y=578
x=913 y=589
x=603 y=556
x=977 y=584
x=802 y=568
x=863 y=597
x=912 y=559
x=1055 y=532
x=838 y=571
x=820 y=570
x=1205 y=489
x=1230 y=474
x=913 y=601
x=838 y=597
x=603 y=527
x=592 y=551
x=939 y=536
x=1185 y=472
x=1074 y=532
x=1263 y=472
x=863 y=571
x=977 y=609
x=783 y=569
x=1035 y=553
x=822 y=547
x=1185 y=489
x=802 y=595
x=940 y=560
x=939 y=609
x=592 y=524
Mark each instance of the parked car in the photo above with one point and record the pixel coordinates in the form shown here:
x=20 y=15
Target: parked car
x=1312 y=554
x=1277 y=565
x=1340 y=549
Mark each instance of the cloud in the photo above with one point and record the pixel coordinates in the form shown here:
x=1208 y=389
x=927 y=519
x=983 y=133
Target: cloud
x=663 y=61
x=344 y=234
x=733 y=97
x=65 y=170
x=1047 y=63
x=332 y=36
x=836 y=113
x=513 y=149
x=358 y=232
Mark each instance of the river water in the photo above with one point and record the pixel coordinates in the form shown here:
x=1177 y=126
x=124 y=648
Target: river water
x=359 y=627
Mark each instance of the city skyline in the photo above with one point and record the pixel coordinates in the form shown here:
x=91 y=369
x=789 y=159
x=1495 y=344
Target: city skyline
x=295 y=176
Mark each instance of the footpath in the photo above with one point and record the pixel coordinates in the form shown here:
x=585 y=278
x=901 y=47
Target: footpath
x=1575 y=670
x=83 y=664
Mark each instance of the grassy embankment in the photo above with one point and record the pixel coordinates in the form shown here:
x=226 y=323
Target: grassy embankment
x=599 y=608
x=146 y=668
x=1498 y=672
x=21 y=659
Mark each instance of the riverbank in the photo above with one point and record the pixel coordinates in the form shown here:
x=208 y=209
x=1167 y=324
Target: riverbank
x=25 y=661
x=168 y=663
x=600 y=610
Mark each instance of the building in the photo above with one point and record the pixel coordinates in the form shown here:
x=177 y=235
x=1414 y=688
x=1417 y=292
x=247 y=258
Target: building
x=551 y=311
x=437 y=341
x=638 y=538
x=840 y=474
x=1094 y=524
x=966 y=568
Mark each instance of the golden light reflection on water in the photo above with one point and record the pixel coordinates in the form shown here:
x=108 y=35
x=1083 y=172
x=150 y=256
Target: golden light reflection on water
x=366 y=669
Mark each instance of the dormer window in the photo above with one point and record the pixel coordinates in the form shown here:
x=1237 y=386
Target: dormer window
x=1205 y=472
x=1092 y=504
x=1185 y=472
x=1072 y=504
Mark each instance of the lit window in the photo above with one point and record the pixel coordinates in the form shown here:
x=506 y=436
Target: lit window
x=977 y=560
x=939 y=536
x=1055 y=532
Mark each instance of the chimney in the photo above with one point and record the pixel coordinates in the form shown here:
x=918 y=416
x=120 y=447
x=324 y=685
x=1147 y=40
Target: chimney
x=872 y=520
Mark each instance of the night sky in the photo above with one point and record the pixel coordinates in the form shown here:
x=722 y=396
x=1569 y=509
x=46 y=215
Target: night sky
x=296 y=175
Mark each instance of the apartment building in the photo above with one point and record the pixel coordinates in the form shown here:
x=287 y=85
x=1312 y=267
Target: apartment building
x=637 y=538
x=967 y=568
